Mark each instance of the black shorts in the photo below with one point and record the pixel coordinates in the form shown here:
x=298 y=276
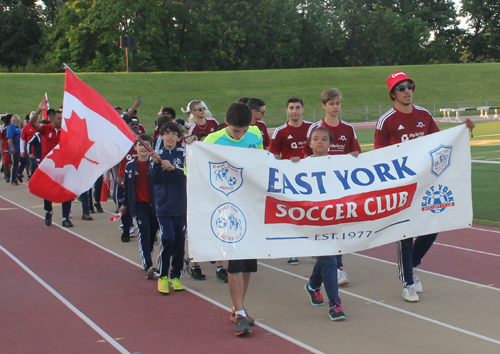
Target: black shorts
x=242 y=266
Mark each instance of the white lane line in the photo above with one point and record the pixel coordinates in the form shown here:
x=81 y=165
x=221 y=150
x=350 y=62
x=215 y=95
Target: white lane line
x=478 y=285
x=467 y=249
x=68 y=304
x=394 y=308
x=486 y=230
x=490 y=162
x=222 y=306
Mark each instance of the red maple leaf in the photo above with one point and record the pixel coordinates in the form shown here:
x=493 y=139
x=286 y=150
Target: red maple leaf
x=74 y=143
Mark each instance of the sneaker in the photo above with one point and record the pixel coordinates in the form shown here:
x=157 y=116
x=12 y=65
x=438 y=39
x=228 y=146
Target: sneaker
x=409 y=293
x=417 y=282
x=250 y=320
x=293 y=261
x=242 y=325
x=196 y=273
x=125 y=237
x=14 y=184
x=176 y=284
x=98 y=207
x=86 y=217
x=150 y=272
x=91 y=210
x=20 y=178
x=48 y=218
x=67 y=223
x=221 y=275
x=336 y=313
x=315 y=295
x=132 y=231
x=163 y=285
x=342 y=277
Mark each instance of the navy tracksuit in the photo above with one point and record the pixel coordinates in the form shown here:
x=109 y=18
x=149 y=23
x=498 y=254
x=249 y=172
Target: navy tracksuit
x=171 y=207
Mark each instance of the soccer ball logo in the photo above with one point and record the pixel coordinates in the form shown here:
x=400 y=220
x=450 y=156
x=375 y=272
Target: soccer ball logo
x=221 y=223
x=437 y=198
x=232 y=181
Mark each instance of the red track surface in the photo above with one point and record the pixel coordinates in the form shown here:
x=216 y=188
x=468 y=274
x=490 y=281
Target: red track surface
x=105 y=288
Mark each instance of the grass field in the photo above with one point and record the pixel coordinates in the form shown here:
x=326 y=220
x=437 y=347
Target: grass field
x=361 y=87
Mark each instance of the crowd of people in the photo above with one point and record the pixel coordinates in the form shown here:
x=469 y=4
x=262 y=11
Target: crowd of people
x=150 y=182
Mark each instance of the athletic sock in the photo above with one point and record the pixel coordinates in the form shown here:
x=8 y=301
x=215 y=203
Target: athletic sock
x=240 y=312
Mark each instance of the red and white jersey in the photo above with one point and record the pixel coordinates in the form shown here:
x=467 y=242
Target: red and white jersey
x=3 y=136
x=210 y=126
x=141 y=129
x=132 y=154
x=50 y=138
x=344 y=138
x=266 y=140
x=394 y=126
x=289 y=141
x=26 y=134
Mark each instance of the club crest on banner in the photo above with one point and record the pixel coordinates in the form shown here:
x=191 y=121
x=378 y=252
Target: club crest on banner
x=225 y=177
x=229 y=223
x=441 y=159
x=437 y=199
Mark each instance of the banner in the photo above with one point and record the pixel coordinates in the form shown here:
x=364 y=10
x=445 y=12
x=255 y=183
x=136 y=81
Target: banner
x=243 y=203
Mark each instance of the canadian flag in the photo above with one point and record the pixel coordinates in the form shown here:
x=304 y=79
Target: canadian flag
x=160 y=112
x=93 y=139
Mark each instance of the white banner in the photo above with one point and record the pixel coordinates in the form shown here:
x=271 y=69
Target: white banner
x=243 y=203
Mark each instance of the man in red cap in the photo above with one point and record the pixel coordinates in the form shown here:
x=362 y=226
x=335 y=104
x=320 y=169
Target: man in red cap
x=406 y=121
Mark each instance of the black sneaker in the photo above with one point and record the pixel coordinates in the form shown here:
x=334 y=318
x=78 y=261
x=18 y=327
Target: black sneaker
x=48 y=218
x=125 y=237
x=86 y=217
x=315 y=295
x=242 y=326
x=293 y=261
x=98 y=207
x=336 y=313
x=221 y=275
x=67 y=223
x=196 y=273
x=20 y=178
x=91 y=210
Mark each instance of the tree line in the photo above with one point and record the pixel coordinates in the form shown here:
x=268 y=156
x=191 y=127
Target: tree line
x=198 y=35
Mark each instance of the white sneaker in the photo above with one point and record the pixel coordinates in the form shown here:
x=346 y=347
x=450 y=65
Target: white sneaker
x=342 y=277
x=132 y=231
x=409 y=293
x=417 y=282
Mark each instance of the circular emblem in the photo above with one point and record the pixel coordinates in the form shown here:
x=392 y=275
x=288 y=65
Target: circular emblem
x=438 y=199
x=228 y=223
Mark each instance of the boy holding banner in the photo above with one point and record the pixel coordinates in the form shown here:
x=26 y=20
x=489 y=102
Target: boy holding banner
x=238 y=133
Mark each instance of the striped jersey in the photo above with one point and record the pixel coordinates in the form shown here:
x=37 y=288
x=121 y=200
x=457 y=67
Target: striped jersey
x=394 y=126
x=344 y=138
x=289 y=141
x=251 y=139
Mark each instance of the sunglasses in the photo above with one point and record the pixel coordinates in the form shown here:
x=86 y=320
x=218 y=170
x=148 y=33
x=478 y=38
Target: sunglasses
x=200 y=109
x=258 y=110
x=402 y=88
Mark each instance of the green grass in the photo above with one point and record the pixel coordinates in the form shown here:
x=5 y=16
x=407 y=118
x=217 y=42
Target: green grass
x=362 y=87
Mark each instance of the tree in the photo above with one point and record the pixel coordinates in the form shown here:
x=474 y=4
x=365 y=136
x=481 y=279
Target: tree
x=20 y=33
x=483 y=39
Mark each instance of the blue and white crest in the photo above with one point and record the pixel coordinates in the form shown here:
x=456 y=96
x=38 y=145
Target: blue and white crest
x=225 y=178
x=229 y=223
x=441 y=159
x=437 y=199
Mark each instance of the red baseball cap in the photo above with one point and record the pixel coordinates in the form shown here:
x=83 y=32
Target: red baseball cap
x=396 y=77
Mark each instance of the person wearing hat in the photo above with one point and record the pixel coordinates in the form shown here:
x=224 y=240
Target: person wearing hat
x=406 y=121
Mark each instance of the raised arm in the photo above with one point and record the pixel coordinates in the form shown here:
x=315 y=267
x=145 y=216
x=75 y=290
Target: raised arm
x=34 y=118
